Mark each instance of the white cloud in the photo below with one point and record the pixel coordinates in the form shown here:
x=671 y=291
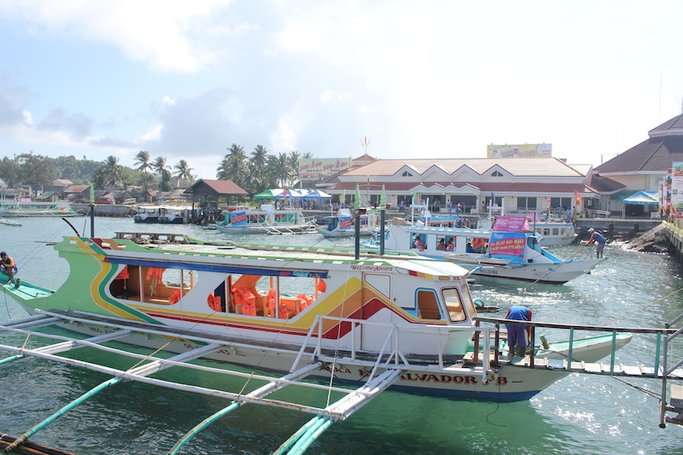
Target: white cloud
x=155 y=31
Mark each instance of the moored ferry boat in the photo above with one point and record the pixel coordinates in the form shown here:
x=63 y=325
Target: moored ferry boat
x=264 y=220
x=502 y=253
x=281 y=306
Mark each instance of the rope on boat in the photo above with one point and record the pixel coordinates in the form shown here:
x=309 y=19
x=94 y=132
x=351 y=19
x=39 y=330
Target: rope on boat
x=639 y=388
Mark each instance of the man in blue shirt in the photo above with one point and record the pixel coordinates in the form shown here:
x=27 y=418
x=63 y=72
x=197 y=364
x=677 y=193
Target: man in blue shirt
x=599 y=241
x=518 y=334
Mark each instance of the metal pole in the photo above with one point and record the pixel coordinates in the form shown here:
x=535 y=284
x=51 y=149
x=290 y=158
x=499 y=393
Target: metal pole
x=357 y=236
x=382 y=219
x=92 y=220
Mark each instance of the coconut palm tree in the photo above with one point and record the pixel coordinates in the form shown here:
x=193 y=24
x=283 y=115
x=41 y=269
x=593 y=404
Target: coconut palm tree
x=234 y=165
x=142 y=159
x=257 y=167
x=183 y=170
x=111 y=171
x=159 y=164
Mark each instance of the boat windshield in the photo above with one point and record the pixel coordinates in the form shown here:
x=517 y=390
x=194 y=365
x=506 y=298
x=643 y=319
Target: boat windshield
x=458 y=302
x=456 y=313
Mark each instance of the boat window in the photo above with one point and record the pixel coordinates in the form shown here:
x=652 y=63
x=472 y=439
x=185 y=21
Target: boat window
x=153 y=284
x=546 y=231
x=427 y=305
x=262 y=296
x=467 y=300
x=555 y=231
x=454 y=305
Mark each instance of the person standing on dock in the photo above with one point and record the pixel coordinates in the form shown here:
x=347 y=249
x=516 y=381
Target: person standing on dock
x=518 y=334
x=599 y=240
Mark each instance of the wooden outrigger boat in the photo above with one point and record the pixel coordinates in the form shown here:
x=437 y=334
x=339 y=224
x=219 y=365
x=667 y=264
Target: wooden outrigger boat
x=264 y=220
x=379 y=321
x=490 y=254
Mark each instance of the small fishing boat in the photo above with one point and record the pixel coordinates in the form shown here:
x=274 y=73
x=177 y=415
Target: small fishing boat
x=7 y=222
x=36 y=209
x=162 y=214
x=264 y=220
x=343 y=225
x=509 y=251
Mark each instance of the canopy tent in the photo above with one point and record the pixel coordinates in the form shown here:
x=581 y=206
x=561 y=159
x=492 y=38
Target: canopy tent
x=270 y=194
x=296 y=193
x=642 y=198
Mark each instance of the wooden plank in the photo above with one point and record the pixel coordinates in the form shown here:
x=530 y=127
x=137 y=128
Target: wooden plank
x=632 y=370
x=592 y=368
x=676 y=396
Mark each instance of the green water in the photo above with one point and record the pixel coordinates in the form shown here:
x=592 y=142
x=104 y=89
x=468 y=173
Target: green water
x=580 y=414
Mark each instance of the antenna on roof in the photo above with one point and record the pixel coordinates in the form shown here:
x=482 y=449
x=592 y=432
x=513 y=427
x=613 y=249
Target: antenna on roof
x=365 y=142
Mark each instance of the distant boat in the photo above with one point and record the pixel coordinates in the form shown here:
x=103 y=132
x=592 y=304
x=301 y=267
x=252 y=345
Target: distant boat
x=511 y=253
x=163 y=214
x=35 y=209
x=265 y=220
x=9 y=222
x=343 y=225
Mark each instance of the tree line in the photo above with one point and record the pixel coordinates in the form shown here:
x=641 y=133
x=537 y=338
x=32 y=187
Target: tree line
x=254 y=171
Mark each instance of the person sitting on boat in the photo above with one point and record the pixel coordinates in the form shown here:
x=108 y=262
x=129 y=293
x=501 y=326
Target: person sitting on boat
x=418 y=243
x=599 y=240
x=8 y=266
x=451 y=244
x=518 y=334
x=441 y=246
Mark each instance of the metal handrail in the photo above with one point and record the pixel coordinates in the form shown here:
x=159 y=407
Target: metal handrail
x=666 y=370
x=395 y=332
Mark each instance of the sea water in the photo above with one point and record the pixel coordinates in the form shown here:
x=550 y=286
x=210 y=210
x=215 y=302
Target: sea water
x=580 y=414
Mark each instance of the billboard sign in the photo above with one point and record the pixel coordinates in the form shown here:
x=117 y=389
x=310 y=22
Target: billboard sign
x=314 y=168
x=519 y=151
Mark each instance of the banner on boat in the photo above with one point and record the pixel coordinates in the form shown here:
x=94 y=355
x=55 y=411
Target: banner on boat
x=507 y=244
x=677 y=189
x=507 y=223
x=238 y=218
x=346 y=223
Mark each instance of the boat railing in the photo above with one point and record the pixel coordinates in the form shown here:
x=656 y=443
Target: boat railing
x=661 y=335
x=390 y=355
x=666 y=368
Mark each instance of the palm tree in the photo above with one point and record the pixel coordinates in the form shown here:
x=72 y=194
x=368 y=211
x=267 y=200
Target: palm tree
x=111 y=170
x=234 y=165
x=282 y=172
x=183 y=170
x=143 y=161
x=159 y=165
x=293 y=163
x=257 y=167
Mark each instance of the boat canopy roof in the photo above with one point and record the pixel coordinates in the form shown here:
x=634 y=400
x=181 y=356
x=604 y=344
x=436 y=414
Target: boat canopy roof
x=271 y=258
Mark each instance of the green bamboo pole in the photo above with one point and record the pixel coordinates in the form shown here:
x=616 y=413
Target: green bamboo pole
x=21 y=439
x=203 y=424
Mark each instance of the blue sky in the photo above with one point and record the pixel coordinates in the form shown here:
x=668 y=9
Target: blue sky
x=186 y=79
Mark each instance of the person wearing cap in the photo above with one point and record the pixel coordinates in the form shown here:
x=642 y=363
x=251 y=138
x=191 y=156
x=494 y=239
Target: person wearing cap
x=599 y=240
x=7 y=266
